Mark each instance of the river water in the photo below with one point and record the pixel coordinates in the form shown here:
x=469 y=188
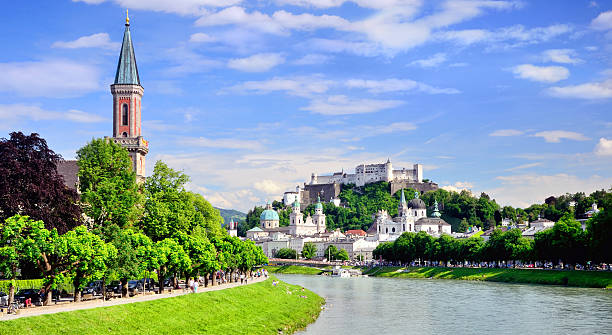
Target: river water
x=424 y=306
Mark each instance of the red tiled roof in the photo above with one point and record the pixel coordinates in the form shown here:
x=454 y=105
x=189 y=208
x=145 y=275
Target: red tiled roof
x=355 y=232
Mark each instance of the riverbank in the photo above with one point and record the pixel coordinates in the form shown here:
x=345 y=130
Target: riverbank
x=593 y=279
x=260 y=308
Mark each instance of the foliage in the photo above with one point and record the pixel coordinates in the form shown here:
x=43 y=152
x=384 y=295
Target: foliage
x=341 y=255
x=30 y=184
x=109 y=191
x=286 y=253
x=599 y=232
x=309 y=251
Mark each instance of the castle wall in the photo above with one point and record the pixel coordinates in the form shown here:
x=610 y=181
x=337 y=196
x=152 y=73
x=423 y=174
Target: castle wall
x=309 y=194
x=421 y=187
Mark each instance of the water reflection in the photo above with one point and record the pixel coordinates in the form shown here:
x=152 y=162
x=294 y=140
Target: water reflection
x=421 y=306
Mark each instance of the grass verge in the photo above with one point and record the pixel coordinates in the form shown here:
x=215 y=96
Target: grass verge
x=596 y=279
x=294 y=270
x=260 y=308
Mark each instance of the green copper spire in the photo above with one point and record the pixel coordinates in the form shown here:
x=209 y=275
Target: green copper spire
x=436 y=212
x=403 y=200
x=127 y=71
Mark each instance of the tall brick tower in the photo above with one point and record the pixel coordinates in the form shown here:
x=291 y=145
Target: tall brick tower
x=127 y=94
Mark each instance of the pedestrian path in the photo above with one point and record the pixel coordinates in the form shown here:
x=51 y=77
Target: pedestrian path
x=73 y=306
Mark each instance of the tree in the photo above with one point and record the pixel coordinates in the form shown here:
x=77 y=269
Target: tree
x=384 y=251
x=205 y=215
x=201 y=251
x=309 y=251
x=330 y=252
x=168 y=256
x=568 y=240
x=109 y=191
x=30 y=184
x=88 y=255
x=403 y=248
x=286 y=253
x=16 y=248
x=342 y=255
x=599 y=232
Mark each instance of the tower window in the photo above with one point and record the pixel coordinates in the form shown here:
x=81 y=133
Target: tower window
x=124 y=115
x=124 y=134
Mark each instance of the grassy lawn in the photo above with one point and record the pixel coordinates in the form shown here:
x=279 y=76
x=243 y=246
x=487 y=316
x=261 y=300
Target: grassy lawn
x=294 y=270
x=571 y=278
x=259 y=308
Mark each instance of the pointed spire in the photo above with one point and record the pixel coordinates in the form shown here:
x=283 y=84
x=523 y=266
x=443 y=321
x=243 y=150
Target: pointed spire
x=127 y=17
x=436 y=212
x=127 y=71
x=403 y=200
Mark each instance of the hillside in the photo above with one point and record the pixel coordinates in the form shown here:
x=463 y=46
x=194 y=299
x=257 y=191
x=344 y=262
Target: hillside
x=228 y=214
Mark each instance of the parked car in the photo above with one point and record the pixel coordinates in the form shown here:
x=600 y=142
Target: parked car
x=134 y=286
x=3 y=299
x=150 y=284
x=33 y=294
x=113 y=287
x=94 y=287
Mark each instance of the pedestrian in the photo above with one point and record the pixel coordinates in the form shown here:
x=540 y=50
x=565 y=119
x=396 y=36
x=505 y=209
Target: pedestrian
x=242 y=278
x=190 y=283
x=195 y=286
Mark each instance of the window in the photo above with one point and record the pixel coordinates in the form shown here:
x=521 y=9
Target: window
x=387 y=230
x=124 y=134
x=124 y=115
x=393 y=230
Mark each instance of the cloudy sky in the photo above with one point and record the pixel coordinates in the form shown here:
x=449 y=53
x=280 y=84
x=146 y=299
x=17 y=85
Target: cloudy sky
x=513 y=98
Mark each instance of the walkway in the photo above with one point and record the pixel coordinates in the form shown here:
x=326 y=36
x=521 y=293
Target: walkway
x=73 y=306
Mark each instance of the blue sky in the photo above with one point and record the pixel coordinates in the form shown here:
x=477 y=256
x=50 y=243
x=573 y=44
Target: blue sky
x=513 y=98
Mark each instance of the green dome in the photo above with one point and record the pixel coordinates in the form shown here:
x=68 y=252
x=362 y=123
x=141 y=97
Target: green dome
x=269 y=215
x=318 y=205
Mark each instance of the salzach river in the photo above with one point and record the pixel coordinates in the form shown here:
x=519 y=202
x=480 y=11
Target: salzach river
x=422 y=306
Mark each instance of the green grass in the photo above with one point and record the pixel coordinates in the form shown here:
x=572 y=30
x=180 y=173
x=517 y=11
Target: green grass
x=528 y=276
x=294 y=270
x=259 y=308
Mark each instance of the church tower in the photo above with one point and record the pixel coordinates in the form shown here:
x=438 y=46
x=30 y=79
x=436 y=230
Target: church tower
x=127 y=95
x=319 y=217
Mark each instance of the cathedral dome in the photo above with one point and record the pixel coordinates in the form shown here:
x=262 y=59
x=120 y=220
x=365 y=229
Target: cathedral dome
x=269 y=215
x=416 y=203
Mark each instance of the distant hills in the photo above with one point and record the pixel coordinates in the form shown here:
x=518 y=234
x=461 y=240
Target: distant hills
x=228 y=214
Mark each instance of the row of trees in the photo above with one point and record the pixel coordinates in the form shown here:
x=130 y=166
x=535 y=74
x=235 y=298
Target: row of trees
x=309 y=251
x=121 y=228
x=566 y=242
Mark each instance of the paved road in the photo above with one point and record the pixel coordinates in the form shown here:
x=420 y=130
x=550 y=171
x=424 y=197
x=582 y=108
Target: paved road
x=72 y=306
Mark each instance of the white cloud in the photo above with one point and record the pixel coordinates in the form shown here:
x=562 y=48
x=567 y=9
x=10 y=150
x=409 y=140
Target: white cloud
x=564 y=56
x=182 y=7
x=53 y=78
x=506 y=37
x=524 y=166
x=223 y=143
x=17 y=112
x=397 y=85
x=342 y=105
x=256 y=63
x=188 y=61
x=459 y=186
x=300 y=86
x=268 y=186
x=546 y=74
x=527 y=189
x=555 y=136
x=603 y=21
x=604 y=147
x=432 y=61
x=367 y=49
x=590 y=91
x=312 y=59
x=100 y=40
x=201 y=38
x=507 y=132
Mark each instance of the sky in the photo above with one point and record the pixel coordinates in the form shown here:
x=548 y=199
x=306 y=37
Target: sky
x=511 y=98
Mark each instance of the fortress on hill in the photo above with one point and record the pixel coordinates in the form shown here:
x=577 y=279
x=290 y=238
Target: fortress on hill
x=328 y=187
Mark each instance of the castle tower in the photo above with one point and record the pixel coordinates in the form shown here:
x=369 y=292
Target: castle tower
x=318 y=217
x=296 y=219
x=388 y=170
x=127 y=95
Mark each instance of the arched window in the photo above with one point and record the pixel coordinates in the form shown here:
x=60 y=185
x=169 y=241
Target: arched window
x=124 y=134
x=124 y=115
x=386 y=230
x=393 y=230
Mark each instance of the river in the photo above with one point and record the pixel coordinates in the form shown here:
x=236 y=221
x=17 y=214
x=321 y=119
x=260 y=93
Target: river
x=424 y=306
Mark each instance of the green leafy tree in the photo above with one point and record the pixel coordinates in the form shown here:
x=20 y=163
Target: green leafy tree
x=342 y=255
x=88 y=255
x=202 y=253
x=169 y=257
x=286 y=253
x=16 y=248
x=404 y=248
x=384 y=251
x=109 y=191
x=309 y=251
x=599 y=232
x=330 y=252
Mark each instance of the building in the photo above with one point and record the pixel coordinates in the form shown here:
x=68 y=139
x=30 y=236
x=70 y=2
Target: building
x=127 y=96
x=412 y=217
x=300 y=226
x=371 y=173
x=537 y=226
x=232 y=228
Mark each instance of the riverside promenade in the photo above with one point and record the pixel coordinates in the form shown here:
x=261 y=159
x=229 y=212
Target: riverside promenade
x=73 y=306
